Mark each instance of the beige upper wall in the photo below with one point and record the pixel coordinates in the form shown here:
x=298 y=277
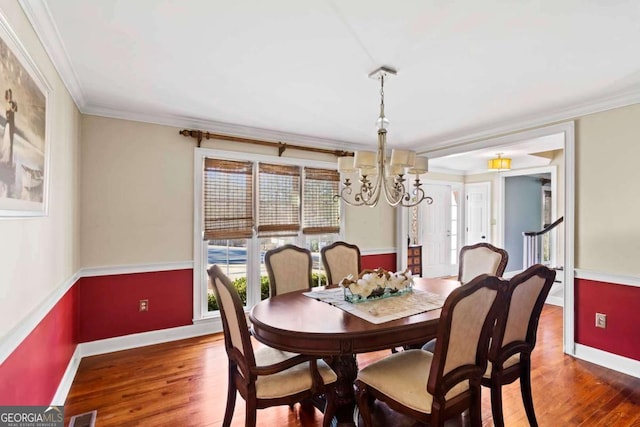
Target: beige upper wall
x=38 y=256
x=607 y=205
x=137 y=194
x=371 y=228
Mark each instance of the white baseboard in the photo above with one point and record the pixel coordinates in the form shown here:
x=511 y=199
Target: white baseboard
x=142 y=339
x=67 y=379
x=608 y=360
x=555 y=300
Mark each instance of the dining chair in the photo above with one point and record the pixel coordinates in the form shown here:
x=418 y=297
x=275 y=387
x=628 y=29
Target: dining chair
x=433 y=387
x=340 y=259
x=289 y=269
x=265 y=376
x=481 y=258
x=514 y=338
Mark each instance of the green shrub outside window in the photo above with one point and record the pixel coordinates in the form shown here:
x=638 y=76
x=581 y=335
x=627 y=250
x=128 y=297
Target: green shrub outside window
x=241 y=286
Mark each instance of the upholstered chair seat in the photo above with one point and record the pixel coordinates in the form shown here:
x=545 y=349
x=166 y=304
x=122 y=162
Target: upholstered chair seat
x=513 y=360
x=290 y=381
x=396 y=374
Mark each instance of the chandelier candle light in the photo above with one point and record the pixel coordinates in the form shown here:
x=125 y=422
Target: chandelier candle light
x=377 y=174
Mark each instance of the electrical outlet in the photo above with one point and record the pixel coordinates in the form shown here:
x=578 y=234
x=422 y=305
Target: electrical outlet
x=601 y=320
x=144 y=305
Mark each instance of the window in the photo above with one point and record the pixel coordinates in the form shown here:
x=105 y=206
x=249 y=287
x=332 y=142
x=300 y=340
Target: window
x=243 y=208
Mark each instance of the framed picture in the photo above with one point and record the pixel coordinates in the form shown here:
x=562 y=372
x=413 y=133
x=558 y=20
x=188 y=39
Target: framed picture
x=24 y=151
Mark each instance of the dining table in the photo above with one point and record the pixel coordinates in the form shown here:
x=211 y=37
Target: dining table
x=302 y=324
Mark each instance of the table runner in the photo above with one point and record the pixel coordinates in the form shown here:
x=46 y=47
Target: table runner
x=382 y=310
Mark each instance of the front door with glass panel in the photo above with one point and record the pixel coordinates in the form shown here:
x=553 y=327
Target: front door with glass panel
x=439 y=232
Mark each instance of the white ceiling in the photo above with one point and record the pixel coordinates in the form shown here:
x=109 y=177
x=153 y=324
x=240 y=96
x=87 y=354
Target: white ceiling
x=297 y=70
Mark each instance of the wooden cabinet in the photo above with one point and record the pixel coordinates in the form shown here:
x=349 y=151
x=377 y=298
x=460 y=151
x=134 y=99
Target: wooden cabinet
x=414 y=261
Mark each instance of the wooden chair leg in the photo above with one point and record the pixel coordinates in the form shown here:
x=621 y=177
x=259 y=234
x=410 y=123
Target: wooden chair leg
x=525 y=390
x=250 y=413
x=475 y=410
x=365 y=403
x=496 y=404
x=231 y=398
x=330 y=406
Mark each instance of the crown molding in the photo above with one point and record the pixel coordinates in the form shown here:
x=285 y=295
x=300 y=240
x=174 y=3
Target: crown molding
x=39 y=16
x=592 y=105
x=230 y=129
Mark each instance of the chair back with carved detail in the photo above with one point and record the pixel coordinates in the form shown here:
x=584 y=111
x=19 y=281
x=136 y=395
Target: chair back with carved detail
x=481 y=258
x=289 y=269
x=340 y=259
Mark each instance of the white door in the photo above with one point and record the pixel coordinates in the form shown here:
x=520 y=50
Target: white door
x=477 y=213
x=436 y=232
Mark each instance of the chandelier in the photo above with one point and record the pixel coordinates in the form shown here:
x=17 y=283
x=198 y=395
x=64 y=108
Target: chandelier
x=378 y=175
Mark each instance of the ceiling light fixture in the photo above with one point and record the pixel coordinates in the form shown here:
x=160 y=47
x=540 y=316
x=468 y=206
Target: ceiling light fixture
x=377 y=174
x=500 y=163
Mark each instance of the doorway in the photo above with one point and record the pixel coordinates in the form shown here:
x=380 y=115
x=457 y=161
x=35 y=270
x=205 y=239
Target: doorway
x=440 y=230
x=565 y=192
x=477 y=213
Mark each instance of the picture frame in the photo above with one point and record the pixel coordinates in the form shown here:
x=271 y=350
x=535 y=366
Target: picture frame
x=24 y=130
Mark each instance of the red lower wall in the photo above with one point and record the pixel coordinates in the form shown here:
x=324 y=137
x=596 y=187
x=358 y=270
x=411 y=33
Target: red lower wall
x=621 y=304
x=109 y=305
x=386 y=261
x=103 y=307
x=32 y=373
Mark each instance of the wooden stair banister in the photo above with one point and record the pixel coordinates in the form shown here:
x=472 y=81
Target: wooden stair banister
x=531 y=251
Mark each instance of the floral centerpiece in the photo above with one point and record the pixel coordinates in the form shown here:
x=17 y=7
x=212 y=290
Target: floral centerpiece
x=376 y=284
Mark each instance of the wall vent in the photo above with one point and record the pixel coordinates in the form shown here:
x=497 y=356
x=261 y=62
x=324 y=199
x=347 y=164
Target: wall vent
x=88 y=419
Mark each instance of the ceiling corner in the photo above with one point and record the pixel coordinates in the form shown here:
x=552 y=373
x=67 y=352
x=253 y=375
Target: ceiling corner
x=43 y=24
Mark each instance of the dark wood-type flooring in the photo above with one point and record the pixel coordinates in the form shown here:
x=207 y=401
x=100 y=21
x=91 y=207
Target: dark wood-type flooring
x=184 y=383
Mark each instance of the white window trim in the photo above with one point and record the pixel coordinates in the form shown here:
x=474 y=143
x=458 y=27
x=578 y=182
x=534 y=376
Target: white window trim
x=199 y=254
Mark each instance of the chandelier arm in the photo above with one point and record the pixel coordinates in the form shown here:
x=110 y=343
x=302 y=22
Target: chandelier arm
x=348 y=191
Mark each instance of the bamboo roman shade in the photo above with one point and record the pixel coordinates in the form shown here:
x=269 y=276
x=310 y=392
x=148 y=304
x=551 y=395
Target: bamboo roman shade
x=321 y=211
x=278 y=200
x=228 y=199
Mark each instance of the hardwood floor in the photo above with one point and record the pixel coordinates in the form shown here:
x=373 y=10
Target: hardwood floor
x=183 y=383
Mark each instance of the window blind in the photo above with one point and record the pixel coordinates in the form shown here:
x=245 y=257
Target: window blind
x=228 y=199
x=278 y=200
x=321 y=211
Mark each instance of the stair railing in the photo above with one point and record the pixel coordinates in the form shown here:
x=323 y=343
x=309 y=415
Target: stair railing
x=531 y=251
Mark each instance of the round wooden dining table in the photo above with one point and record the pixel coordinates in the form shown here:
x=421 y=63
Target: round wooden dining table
x=300 y=324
